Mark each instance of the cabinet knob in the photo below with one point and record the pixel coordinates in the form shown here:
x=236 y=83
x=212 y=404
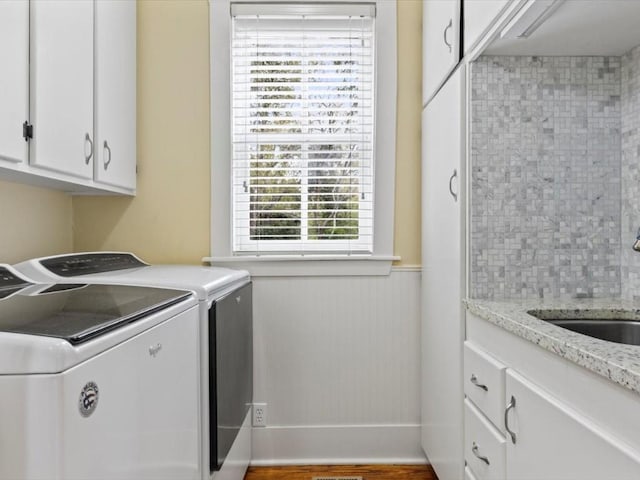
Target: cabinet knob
x=107 y=150
x=475 y=451
x=444 y=35
x=87 y=140
x=453 y=194
x=474 y=380
x=510 y=405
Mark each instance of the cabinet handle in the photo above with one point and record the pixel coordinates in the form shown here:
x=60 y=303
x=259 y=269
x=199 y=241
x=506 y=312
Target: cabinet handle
x=474 y=380
x=108 y=150
x=444 y=35
x=510 y=405
x=474 y=450
x=453 y=194
x=87 y=138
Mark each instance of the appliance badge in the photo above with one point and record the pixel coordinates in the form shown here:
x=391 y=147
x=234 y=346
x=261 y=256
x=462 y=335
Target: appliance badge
x=88 y=400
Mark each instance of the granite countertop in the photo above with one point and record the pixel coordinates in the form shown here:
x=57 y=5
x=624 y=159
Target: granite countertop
x=615 y=361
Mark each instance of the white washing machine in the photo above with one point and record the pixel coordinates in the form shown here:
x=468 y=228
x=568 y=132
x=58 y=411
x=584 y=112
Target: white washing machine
x=97 y=381
x=226 y=341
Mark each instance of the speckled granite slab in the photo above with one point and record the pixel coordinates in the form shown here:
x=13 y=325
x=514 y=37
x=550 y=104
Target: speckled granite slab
x=617 y=362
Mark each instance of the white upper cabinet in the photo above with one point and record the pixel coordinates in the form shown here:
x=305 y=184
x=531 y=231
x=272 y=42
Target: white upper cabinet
x=14 y=80
x=115 y=115
x=68 y=94
x=479 y=15
x=440 y=43
x=62 y=86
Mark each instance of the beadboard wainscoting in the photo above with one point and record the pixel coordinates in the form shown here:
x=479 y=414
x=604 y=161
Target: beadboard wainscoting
x=337 y=361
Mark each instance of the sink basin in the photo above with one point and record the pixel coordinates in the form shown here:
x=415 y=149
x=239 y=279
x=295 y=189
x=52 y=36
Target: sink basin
x=617 y=326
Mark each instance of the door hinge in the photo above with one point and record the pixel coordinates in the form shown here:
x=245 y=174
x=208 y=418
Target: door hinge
x=27 y=131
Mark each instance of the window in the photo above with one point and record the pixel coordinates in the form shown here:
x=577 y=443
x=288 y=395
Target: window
x=302 y=129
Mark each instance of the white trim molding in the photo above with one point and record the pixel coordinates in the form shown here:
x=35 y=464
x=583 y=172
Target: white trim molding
x=307 y=265
x=337 y=445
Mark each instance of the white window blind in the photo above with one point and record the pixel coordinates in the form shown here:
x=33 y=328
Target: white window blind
x=302 y=129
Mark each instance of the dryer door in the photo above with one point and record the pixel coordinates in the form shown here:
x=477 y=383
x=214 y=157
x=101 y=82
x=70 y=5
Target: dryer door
x=233 y=380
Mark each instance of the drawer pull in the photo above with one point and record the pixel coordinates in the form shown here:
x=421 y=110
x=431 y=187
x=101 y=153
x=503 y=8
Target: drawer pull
x=510 y=405
x=474 y=380
x=474 y=450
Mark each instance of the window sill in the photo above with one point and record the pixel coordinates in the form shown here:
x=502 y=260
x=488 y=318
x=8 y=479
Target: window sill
x=307 y=265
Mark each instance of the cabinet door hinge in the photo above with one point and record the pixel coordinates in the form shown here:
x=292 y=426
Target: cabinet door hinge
x=27 y=131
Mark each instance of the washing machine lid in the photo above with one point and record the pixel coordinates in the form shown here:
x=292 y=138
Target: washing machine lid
x=78 y=313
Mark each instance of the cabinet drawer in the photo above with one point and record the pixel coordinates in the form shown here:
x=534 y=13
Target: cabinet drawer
x=484 y=446
x=484 y=379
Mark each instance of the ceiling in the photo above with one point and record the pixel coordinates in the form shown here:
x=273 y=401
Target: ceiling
x=580 y=27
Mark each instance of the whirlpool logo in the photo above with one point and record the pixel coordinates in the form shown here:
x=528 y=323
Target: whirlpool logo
x=88 y=400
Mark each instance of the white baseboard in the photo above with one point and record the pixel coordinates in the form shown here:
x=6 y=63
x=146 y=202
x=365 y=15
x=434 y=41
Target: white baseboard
x=337 y=445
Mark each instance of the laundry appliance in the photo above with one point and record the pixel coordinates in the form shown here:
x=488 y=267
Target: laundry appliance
x=226 y=341
x=97 y=381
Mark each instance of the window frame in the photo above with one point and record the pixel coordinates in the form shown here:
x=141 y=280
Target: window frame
x=376 y=263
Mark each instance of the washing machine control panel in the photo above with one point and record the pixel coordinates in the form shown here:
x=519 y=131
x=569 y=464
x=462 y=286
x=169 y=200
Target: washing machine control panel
x=89 y=263
x=10 y=280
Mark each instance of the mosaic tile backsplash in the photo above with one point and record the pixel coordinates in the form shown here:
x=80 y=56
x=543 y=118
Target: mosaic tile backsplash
x=630 y=261
x=546 y=177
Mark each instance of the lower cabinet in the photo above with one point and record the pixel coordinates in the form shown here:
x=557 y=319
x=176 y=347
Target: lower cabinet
x=550 y=441
x=537 y=436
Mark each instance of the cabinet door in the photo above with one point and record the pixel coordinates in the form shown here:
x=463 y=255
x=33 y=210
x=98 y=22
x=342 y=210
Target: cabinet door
x=442 y=280
x=62 y=86
x=479 y=15
x=14 y=80
x=440 y=43
x=115 y=63
x=554 y=442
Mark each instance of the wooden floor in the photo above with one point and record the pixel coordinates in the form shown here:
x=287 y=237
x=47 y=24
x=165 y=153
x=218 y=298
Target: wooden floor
x=367 y=472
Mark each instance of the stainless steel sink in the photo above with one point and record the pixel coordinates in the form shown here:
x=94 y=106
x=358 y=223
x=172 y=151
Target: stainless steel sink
x=619 y=326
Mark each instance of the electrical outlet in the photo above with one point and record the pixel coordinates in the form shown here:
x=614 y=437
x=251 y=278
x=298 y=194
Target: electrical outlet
x=259 y=414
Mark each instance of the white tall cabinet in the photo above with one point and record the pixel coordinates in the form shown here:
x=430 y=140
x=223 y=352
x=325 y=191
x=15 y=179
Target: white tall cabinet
x=443 y=198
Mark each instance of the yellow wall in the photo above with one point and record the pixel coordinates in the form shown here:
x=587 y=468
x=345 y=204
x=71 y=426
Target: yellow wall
x=408 y=140
x=168 y=221
x=35 y=222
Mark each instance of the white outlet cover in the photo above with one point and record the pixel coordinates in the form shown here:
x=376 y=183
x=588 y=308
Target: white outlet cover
x=259 y=415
